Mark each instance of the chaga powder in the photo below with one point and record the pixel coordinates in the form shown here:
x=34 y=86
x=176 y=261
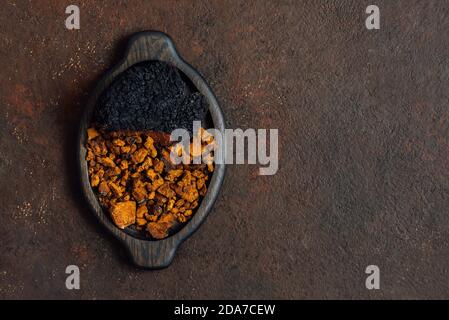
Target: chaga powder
x=150 y=95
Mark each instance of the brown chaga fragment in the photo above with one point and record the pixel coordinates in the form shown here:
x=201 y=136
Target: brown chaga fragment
x=116 y=189
x=103 y=188
x=112 y=172
x=157 y=183
x=142 y=211
x=152 y=174
x=108 y=162
x=159 y=229
x=190 y=193
x=124 y=164
x=139 y=192
x=147 y=163
x=92 y=133
x=124 y=213
x=125 y=149
x=118 y=142
x=166 y=191
x=94 y=180
x=158 y=166
x=139 y=155
x=174 y=174
x=90 y=155
x=200 y=183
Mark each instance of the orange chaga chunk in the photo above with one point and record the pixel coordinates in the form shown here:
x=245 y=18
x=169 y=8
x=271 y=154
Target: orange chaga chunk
x=174 y=174
x=200 y=183
x=158 y=166
x=124 y=213
x=139 y=155
x=94 y=180
x=124 y=164
x=159 y=229
x=118 y=142
x=190 y=193
x=166 y=191
x=141 y=211
x=103 y=188
x=116 y=189
x=149 y=142
x=108 y=162
x=152 y=174
x=139 y=192
x=92 y=133
x=146 y=164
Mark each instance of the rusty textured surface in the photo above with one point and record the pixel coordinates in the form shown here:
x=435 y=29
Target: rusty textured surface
x=363 y=123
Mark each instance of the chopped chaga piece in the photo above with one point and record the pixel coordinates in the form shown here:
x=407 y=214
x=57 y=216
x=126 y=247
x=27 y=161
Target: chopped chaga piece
x=194 y=204
x=179 y=203
x=160 y=199
x=158 y=166
x=118 y=142
x=200 y=183
x=198 y=174
x=174 y=174
x=149 y=142
x=206 y=136
x=190 y=193
x=116 y=189
x=157 y=210
x=139 y=155
x=141 y=221
x=151 y=217
x=90 y=155
x=103 y=188
x=166 y=191
x=125 y=149
x=124 y=164
x=147 y=163
x=203 y=191
x=113 y=172
x=94 y=180
x=124 y=213
x=92 y=133
x=139 y=191
x=152 y=174
x=168 y=217
x=160 y=229
x=157 y=183
x=142 y=211
x=108 y=162
x=170 y=204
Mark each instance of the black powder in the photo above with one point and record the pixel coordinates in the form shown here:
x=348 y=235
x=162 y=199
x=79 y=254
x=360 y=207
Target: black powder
x=149 y=96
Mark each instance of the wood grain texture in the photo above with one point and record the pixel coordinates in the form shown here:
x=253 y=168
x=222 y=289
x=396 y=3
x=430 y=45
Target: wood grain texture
x=143 y=46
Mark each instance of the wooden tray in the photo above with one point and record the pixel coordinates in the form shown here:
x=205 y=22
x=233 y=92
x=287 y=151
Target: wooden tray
x=147 y=253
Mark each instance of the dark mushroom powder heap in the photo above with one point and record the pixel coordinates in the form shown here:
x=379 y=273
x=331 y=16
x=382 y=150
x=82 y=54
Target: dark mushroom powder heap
x=149 y=96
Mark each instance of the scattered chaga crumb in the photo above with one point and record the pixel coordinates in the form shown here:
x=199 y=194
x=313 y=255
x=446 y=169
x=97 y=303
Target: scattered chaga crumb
x=138 y=185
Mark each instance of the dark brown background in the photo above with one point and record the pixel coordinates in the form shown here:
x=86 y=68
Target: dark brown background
x=363 y=121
